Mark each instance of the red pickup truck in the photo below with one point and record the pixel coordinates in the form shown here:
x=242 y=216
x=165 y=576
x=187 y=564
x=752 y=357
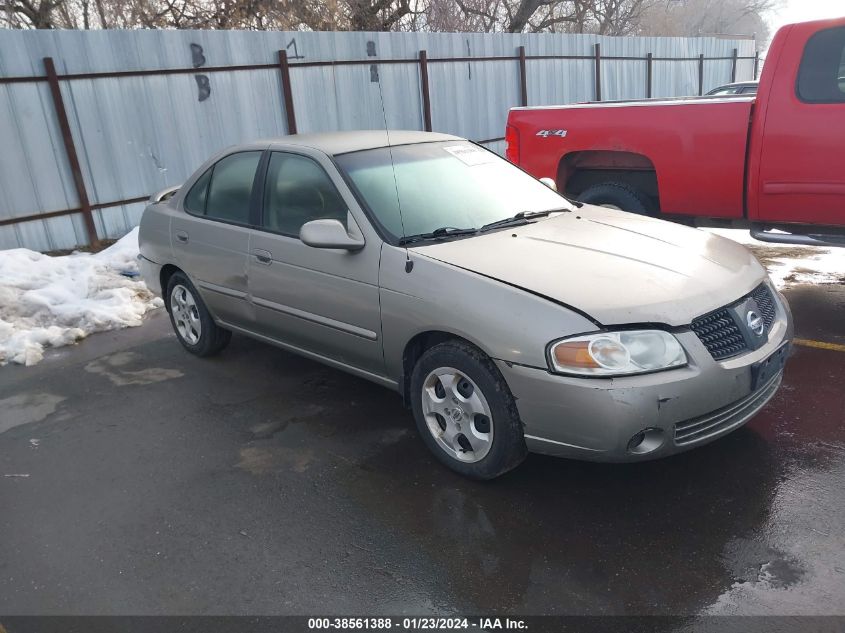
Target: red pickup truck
x=774 y=162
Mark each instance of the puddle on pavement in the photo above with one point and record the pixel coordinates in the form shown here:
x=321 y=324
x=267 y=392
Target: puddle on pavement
x=337 y=431
x=279 y=422
x=27 y=408
x=262 y=460
x=115 y=368
x=752 y=562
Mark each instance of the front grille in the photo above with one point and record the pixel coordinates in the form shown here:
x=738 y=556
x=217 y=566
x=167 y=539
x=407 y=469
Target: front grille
x=706 y=426
x=720 y=332
x=763 y=296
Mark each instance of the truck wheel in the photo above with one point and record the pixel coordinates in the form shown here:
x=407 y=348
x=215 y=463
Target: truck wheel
x=465 y=411
x=617 y=195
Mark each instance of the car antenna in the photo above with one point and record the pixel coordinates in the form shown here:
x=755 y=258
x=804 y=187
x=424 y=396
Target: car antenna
x=409 y=264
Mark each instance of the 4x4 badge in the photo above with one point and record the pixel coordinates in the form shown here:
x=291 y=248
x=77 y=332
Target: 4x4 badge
x=548 y=133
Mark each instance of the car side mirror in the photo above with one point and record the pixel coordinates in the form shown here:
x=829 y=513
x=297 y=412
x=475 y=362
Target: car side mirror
x=549 y=182
x=331 y=234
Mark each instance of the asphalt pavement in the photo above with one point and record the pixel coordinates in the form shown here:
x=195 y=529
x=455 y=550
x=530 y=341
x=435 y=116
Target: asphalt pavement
x=137 y=479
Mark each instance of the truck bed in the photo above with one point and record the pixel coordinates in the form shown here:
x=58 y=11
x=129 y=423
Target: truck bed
x=696 y=146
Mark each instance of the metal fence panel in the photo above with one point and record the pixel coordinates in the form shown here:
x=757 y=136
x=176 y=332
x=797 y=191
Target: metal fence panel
x=472 y=99
x=142 y=134
x=136 y=134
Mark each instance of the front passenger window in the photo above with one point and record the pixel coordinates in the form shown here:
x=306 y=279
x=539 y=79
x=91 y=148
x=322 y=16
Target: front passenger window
x=298 y=190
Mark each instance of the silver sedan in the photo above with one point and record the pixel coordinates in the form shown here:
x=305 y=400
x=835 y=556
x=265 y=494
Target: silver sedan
x=509 y=318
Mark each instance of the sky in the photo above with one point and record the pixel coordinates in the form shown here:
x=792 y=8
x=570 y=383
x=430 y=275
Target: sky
x=804 y=10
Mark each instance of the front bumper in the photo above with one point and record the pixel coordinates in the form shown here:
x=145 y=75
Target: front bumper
x=595 y=419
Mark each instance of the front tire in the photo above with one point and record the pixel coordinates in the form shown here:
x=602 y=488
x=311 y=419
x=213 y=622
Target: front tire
x=465 y=412
x=191 y=320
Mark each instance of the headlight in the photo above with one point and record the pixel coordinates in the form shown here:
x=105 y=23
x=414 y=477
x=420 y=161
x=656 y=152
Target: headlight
x=617 y=353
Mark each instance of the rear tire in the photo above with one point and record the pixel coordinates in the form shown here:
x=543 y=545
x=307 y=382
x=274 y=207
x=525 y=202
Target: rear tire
x=469 y=419
x=194 y=326
x=618 y=195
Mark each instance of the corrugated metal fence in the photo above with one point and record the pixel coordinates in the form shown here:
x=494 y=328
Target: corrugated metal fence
x=92 y=122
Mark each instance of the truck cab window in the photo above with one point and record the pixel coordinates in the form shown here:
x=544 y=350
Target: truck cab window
x=821 y=76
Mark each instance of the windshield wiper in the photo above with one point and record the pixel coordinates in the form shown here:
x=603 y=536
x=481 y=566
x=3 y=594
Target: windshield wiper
x=444 y=232
x=520 y=218
x=437 y=234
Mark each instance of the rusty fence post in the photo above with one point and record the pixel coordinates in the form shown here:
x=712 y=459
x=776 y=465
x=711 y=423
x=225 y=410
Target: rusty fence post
x=523 y=79
x=70 y=149
x=598 y=72
x=733 y=65
x=426 y=96
x=287 y=93
x=701 y=74
x=649 y=70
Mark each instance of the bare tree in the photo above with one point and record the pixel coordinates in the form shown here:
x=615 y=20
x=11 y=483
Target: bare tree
x=34 y=14
x=708 y=17
x=617 y=17
x=375 y=15
x=514 y=16
x=606 y=17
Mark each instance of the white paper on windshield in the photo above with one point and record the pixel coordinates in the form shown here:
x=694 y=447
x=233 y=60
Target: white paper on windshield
x=470 y=155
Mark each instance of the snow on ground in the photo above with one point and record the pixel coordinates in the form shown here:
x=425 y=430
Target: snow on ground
x=52 y=301
x=788 y=264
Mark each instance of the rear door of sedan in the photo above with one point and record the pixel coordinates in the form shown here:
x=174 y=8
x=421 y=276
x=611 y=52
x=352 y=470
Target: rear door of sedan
x=210 y=237
x=318 y=300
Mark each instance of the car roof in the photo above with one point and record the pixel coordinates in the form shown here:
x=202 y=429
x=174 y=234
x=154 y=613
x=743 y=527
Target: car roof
x=334 y=143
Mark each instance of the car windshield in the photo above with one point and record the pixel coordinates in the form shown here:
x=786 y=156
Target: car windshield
x=445 y=184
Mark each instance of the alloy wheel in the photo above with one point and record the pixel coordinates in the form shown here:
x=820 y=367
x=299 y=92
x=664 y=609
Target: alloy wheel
x=186 y=316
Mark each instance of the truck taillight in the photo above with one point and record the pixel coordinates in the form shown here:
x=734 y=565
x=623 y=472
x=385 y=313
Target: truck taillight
x=512 y=144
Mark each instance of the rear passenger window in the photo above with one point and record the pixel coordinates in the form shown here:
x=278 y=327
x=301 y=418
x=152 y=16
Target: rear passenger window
x=231 y=187
x=195 y=200
x=298 y=190
x=821 y=77
x=224 y=191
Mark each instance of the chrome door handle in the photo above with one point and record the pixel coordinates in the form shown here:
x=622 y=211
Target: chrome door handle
x=263 y=257
x=182 y=236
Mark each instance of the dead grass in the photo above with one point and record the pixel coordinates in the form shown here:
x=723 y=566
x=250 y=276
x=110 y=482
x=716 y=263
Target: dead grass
x=104 y=244
x=770 y=255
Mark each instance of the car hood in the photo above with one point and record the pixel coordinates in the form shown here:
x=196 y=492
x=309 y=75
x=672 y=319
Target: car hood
x=616 y=267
